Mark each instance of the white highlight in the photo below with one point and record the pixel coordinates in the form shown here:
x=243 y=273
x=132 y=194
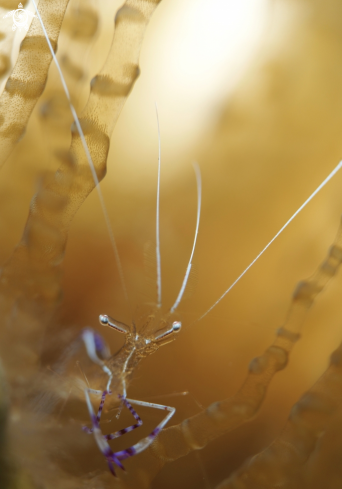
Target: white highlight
x=89 y=342
x=188 y=269
x=329 y=177
x=89 y=158
x=216 y=42
x=20 y=17
x=159 y=303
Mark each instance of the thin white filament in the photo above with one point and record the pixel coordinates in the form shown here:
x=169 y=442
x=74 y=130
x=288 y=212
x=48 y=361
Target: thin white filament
x=89 y=158
x=329 y=177
x=188 y=269
x=159 y=300
x=124 y=391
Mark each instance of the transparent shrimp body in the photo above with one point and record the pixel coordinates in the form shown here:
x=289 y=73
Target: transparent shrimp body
x=148 y=332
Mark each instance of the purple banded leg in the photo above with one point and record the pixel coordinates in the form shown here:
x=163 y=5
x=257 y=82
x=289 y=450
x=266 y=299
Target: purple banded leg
x=111 y=436
x=145 y=442
x=114 y=458
x=100 y=440
x=99 y=412
x=119 y=433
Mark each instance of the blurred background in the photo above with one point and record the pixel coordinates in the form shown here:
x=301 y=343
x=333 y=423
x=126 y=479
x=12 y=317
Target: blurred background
x=251 y=90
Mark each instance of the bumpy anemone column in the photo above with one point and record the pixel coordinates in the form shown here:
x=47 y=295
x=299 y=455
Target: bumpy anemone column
x=30 y=283
x=281 y=463
x=28 y=78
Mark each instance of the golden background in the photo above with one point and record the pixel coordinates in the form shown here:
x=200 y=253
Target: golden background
x=260 y=111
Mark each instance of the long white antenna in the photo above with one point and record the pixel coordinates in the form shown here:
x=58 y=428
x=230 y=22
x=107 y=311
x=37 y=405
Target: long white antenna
x=159 y=301
x=329 y=177
x=89 y=158
x=188 y=268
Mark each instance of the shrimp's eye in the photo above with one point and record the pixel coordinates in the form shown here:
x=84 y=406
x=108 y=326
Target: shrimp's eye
x=176 y=326
x=103 y=318
x=167 y=333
